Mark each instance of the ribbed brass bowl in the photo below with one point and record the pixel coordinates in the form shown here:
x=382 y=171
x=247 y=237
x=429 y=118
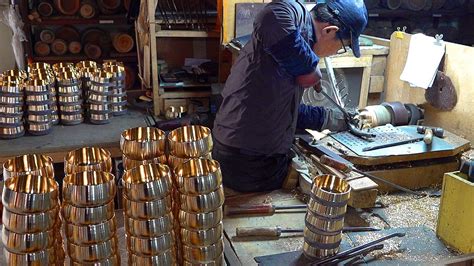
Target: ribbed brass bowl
x=313 y=252
x=149 y=228
x=86 y=64
x=117 y=71
x=70 y=99
x=166 y=258
x=30 y=223
x=88 y=215
x=91 y=233
x=190 y=141
x=204 y=220
x=202 y=202
x=10 y=85
x=11 y=100
x=39 y=118
x=39 y=98
x=143 y=143
x=88 y=159
x=100 y=118
x=147 y=209
x=100 y=90
x=130 y=163
x=59 y=65
x=39 y=108
x=11 y=120
x=26 y=243
x=91 y=253
x=102 y=77
x=114 y=260
x=39 y=128
x=68 y=90
x=324 y=225
x=97 y=98
x=12 y=132
x=205 y=237
x=331 y=189
x=30 y=194
x=89 y=189
x=44 y=257
x=12 y=110
x=99 y=107
x=322 y=241
x=150 y=246
x=73 y=119
x=71 y=108
x=198 y=176
x=174 y=161
x=204 y=254
x=147 y=182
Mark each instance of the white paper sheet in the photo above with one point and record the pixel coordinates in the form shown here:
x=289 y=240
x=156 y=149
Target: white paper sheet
x=423 y=60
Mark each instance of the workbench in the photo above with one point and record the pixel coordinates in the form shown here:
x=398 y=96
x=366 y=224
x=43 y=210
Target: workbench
x=64 y=139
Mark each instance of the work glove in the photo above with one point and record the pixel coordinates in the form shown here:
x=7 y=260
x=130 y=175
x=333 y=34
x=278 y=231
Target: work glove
x=334 y=120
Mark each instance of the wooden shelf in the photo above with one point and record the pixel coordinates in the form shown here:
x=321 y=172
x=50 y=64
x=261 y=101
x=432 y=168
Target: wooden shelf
x=74 y=20
x=128 y=57
x=379 y=12
x=186 y=34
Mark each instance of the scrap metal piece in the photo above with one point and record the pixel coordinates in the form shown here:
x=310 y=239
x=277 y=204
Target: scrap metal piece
x=442 y=94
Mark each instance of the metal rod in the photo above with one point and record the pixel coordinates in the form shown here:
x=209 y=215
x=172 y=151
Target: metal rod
x=387 y=145
x=363 y=252
x=383 y=180
x=291 y=207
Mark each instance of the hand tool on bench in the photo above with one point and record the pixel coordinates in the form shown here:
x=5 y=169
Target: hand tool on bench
x=347 y=168
x=361 y=253
x=276 y=231
x=260 y=209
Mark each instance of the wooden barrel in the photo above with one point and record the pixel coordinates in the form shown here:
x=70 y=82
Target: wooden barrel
x=123 y=42
x=437 y=4
x=414 y=5
x=67 y=7
x=109 y=7
x=59 y=47
x=68 y=33
x=42 y=49
x=391 y=4
x=88 y=9
x=371 y=4
x=74 y=47
x=453 y=4
x=45 y=8
x=47 y=36
x=92 y=51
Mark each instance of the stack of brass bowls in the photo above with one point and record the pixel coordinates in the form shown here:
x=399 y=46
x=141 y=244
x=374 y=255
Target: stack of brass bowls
x=325 y=216
x=86 y=70
x=99 y=108
x=141 y=146
x=199 y=183
x=40 y=99
x=11 y=106
x=148 y=215
x=69 y=89
x=118 y=98
x=88 y=159
x=31 y=234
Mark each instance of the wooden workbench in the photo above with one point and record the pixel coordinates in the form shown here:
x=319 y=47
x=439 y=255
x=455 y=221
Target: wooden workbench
x=67 y=138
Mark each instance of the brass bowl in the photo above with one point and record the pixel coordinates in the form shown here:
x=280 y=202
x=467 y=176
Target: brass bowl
x=147 y=182
x=75 y=89
x=91 y=233
x=322 y=241
x=331 y=189
x=11 y=110
x=11 y=87
x=100 y=90
x=147 y=209
x=11 y=100
x=39 y=98
x=203 y=237
x=21 y=74
x=115 y=70
x=114 y=260
x=202 y=202
x=89 y=189
x=200 y=220
x=218 y=262
x=150 y=246
x=70 y=99
x=100 y=118
x=190 y=141
x=73 y=109
x=11 y=120
x=323 y=225
x=118 y=99
x=44 y=257
x=30 y=194
x=27 y=243
x=39 y=108
x=59 y=65
x=88 y=159
x=174 y=161
x=166 y=258
x=312 y=252
x=30 y=223
x=119 y=109
x=39 y=118
x=325 y=210
x=38 y=86
x=12 y=132
x=88 y=215
x=91 y=253
x=97 y=98
x=143 y=143
x=99 y=107
x=86 y=64
x=198 y=176
x=71 y=119
x=203 y=254
x=150 y=227
x=130 y=163
x=39 y=129
x=102 y=77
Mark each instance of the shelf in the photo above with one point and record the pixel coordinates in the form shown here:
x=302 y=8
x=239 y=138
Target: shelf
x=374 y=13
x=128 y=57
x=186 y=34
x=74 y=20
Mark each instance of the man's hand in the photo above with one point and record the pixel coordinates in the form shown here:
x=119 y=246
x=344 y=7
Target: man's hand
x=334 y=120
x=312 y=79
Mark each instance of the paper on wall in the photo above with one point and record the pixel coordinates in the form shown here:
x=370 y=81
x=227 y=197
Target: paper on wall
x=424 y=56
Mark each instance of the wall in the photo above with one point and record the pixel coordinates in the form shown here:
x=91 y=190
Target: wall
x=7 y=59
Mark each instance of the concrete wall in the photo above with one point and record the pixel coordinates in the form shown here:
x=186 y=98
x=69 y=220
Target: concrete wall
x=7 y=59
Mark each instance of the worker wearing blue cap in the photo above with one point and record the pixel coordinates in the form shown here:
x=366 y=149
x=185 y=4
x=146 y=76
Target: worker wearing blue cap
x=261 y=109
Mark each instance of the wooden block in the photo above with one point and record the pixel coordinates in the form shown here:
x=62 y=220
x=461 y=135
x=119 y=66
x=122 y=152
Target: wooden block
x=376 y=84
x=362 y=183
x=379 y=63
x=291 y=179
x=363 y=199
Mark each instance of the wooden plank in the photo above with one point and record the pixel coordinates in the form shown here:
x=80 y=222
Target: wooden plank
x=231 y=257
x=376 y=84
x=363 y=199
x=364 y=86
x=363 y=183
x=348 y=62
x=187 y=34
x=379 y=64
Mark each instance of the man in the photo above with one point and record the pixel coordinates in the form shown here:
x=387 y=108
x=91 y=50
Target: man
x=256 y=123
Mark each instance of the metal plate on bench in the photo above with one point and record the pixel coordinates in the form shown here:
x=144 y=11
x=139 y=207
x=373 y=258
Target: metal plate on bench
x=389 y=134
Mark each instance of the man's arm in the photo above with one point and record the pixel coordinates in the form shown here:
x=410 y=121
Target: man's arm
x=320 y=118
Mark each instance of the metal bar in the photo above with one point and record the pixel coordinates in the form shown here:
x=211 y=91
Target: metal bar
x=362 y=252
x=387 y=145
x=291 y=207
x=333 y=81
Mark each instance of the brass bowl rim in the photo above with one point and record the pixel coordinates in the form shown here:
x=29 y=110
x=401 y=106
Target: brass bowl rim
x=173 y=133
x=186 y=166
x=88 y=178
x=128 y=135
x=134 y=176
x=52 y=185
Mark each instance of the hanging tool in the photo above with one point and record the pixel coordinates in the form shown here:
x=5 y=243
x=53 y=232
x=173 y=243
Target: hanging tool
x=163 y=15
x=347 y=253
x=277 y=231
x=347 y=168
x=260 y=209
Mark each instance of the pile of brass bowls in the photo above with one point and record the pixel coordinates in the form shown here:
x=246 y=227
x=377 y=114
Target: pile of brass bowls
x=325 y=216
x=142 y=145
x=31 y=223
x=69 y=87
x=201 y=196
x=88 y=159
x=148 y=215
x=86 y=70
x=11 y=105
x=99 y=108
x=118 y=98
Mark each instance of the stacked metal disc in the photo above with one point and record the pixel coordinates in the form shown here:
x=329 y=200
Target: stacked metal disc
x=325 y=216
x=69 y=87
x=40 y=99
x=118 y=98
x=31 y=223
x=88 y=208
x=99 y=107
x=141 y=146
x=148 y=215
x=86 y=70
x=199 y=195
x=11 y=105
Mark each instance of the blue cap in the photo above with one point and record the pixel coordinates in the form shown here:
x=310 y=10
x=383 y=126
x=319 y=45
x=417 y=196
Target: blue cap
x=354 y=17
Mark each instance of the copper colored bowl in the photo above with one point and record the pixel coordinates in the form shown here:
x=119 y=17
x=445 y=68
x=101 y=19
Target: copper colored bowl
x=204 y=254
x=198 y=176
x=312 y=252
x=150 y=246
x=75 y=89
x=202 y=238
x=130 y=163
x=88 y=215
x=34 y=164
x=71 y=108
x=97 y=98
x=166 y=258
x=11 y=110
x=91 y=233
x=30 y=223
x=203 y=202
x=44 y=257
x=91 y=253
x=149 y=228
x=86 y=64
x=143 y=143
x=200 y=220
x=12 y=132
x=39 y=98
x=332 y=189
x=39 y=118
x=147 y=182
x=88 y=159
x=11 y=100
x=190 y=141
x=114 y=260
x=27 y=243
x=174 y=161
x=147 y=209
x=89 y=189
